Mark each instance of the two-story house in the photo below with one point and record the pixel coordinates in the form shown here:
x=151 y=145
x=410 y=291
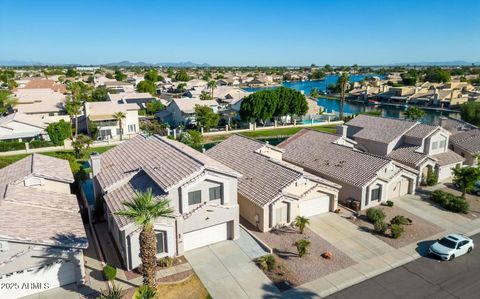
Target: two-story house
x=42 y=236
x=202 y=193
x=271 y=191
x=182 y=111
x=419 y=146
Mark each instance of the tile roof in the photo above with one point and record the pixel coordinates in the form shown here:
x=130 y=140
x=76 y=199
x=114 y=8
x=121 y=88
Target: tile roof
x=317 y=152
x=39 y=100
x=454 y=125
x=421 y=131
x=469 y=141
x=187 y=105
x=380 y=129
x=263 y=178
x=406 y=154
x=447 y=158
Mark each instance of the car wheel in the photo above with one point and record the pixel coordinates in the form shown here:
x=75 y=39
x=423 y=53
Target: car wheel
x=451 y=257
x=470 y=249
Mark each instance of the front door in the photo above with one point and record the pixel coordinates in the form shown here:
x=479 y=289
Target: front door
x=281 y=213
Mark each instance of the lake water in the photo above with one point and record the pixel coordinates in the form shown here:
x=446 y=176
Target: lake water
x=354 y=107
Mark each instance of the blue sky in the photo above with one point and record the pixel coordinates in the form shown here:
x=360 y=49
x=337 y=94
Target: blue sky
x=246 y=32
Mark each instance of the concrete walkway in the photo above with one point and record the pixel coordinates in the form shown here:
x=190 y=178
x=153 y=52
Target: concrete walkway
x=249 y=245
x=228 y=272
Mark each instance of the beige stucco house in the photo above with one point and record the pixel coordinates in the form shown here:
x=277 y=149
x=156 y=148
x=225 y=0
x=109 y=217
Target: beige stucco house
x=202 y=193
x=271 y=191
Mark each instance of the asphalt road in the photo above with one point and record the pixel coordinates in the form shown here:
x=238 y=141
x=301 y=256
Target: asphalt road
x=426 y=277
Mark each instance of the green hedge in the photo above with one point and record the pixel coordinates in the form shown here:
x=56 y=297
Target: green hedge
x=40 y=143
x=450 y=202
x=6 y=146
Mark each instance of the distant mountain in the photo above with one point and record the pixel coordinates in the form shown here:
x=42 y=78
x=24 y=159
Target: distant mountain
x=172 y=64
x=438 y=63
x=19 y=63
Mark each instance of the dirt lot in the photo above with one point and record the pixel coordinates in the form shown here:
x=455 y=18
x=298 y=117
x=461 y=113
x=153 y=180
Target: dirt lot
x=418 y=230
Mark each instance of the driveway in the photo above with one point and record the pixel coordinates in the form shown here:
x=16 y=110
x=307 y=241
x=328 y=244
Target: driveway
x=228 y=272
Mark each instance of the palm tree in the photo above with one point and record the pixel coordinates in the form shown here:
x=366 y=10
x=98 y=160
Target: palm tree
x=301 y=222
x=302 y=246
x=73 y=106
x=212 y=84
x=7 y=101
x=120 y=116
x=342 y=83
x=143 y=210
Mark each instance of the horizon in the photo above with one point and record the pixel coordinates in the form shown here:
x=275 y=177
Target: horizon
x=251 y=33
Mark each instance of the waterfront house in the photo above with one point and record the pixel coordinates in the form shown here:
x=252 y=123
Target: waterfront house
x=42 y=236
x=366 y=180
x=272 y=192
x=202 y=193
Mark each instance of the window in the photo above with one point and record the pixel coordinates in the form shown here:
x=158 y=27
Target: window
x=215 y=193
x=434 y=145
x=161 y=241
x=132 y=128
x=376 y=193
x=442 y=144
x=194 y=197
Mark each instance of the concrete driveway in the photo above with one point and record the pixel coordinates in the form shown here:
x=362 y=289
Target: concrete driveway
x=228 y=272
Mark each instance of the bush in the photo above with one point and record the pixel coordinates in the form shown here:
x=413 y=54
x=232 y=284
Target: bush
x=375 y=215
x=400 y=220
x=6 y=146
x=432 y=178
x=302 y=246
x=450 y=202
x=389 y=203
x=40 y=143
x=145 y=292
x=165 y=262
x=396 y=230
x=110 y=272
x=266 y=262
x=59 y=131
x=112 y=293
x=380 y=226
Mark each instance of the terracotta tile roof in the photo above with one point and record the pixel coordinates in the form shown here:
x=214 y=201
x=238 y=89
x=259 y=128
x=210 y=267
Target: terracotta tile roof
x=447 y=158
x=469 y=141
x=317 y=152
x=380 y=129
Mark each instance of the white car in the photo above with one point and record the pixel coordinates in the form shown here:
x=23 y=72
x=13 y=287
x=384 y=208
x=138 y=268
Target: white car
x=451 y=246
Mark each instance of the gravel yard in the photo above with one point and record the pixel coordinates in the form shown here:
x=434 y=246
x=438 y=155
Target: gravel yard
x=419 y=229
x=473 y=201
x=293 y=270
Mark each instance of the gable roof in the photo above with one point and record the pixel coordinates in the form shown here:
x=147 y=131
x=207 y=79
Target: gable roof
x=421 y=131
x=407 y=154
x=380 y=129
x=318 y=152
x=469 y=141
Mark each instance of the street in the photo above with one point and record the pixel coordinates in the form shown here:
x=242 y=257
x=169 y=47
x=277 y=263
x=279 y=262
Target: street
x=426 y=277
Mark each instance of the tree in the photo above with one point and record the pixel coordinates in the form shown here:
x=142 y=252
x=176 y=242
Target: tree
x=7 y=101
x=119 y=117
x=212 y=84
x=191 y=138
x=205 y=96
x=155 y=106
x=410 y=77
x=143 y=210
x=342 y=82
x=119 y=76
x=316 y=75
x=470 y=112
x=414 y=113
x=80 y=145
x=315 y=93
x=466 y=177
x=302 y=246
x=328 y=68
x=205 y=117
x=59 y=131
x=71 y=73
x=259 y=106
x=147 y=86
x=182 y=76
x=152 y=126
x=109 y=76
x=73 y=107
x=301 y=222
x=181 y=87
x=153 y=76
x=437 y=75
x=99 y=94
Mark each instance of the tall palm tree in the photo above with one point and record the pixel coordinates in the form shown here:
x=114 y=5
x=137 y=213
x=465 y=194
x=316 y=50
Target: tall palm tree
x=120 y=116
x=73 y=107
x=212 y=84
x=342 y=82
x=7 y=101
x=143 y=210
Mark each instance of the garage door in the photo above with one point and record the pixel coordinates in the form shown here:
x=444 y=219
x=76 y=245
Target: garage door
x=205 y=236
x=315 y=206
x=39 y=280
x=399 y=188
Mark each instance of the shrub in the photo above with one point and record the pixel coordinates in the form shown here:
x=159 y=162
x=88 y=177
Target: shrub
x=6 y=146
x=112 y=293
x=110 y=272
x=301 y=222
x=389 y=203
x=144 y=292
x=40 y=143
x=450 y=202
x=165 y=262
x=380 y=226
x=59 y=131
x=266 y=262
x=400 y=220
x=302 y=246
x=375 y=215
x=432 y=178
x=396 y=230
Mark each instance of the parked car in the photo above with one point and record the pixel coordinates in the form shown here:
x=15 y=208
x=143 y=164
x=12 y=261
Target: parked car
x=451 y=246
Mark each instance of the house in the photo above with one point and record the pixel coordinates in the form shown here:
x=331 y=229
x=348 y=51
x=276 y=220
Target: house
x=119 y=86
x=202 y=193
x=100 y=115
x=42 y=102
x=139 y=98
x=42 y=236
x=230 y=97
x=422 y=147
x=182 y=111
x=272 y=192
x=22 y=127
x=467 y=145
x=366 y=179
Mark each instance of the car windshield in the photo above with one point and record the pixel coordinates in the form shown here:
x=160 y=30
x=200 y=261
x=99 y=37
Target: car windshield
x=447 y=243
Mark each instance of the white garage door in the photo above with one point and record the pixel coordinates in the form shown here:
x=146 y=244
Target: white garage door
x=399 y=188
x=205 y=236
x=39 y=280
x=314 y=206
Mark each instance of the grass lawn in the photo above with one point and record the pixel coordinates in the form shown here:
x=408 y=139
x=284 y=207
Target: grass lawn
x=192 y=288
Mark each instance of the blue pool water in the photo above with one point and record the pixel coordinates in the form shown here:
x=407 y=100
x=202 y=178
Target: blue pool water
x=87 y=187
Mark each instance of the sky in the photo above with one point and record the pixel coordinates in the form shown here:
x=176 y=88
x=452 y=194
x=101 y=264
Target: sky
x=246 y=32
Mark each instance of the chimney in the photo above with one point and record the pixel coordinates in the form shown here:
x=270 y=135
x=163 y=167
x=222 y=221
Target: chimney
x=95 y=163
x=442 y=121
x=341 y=130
